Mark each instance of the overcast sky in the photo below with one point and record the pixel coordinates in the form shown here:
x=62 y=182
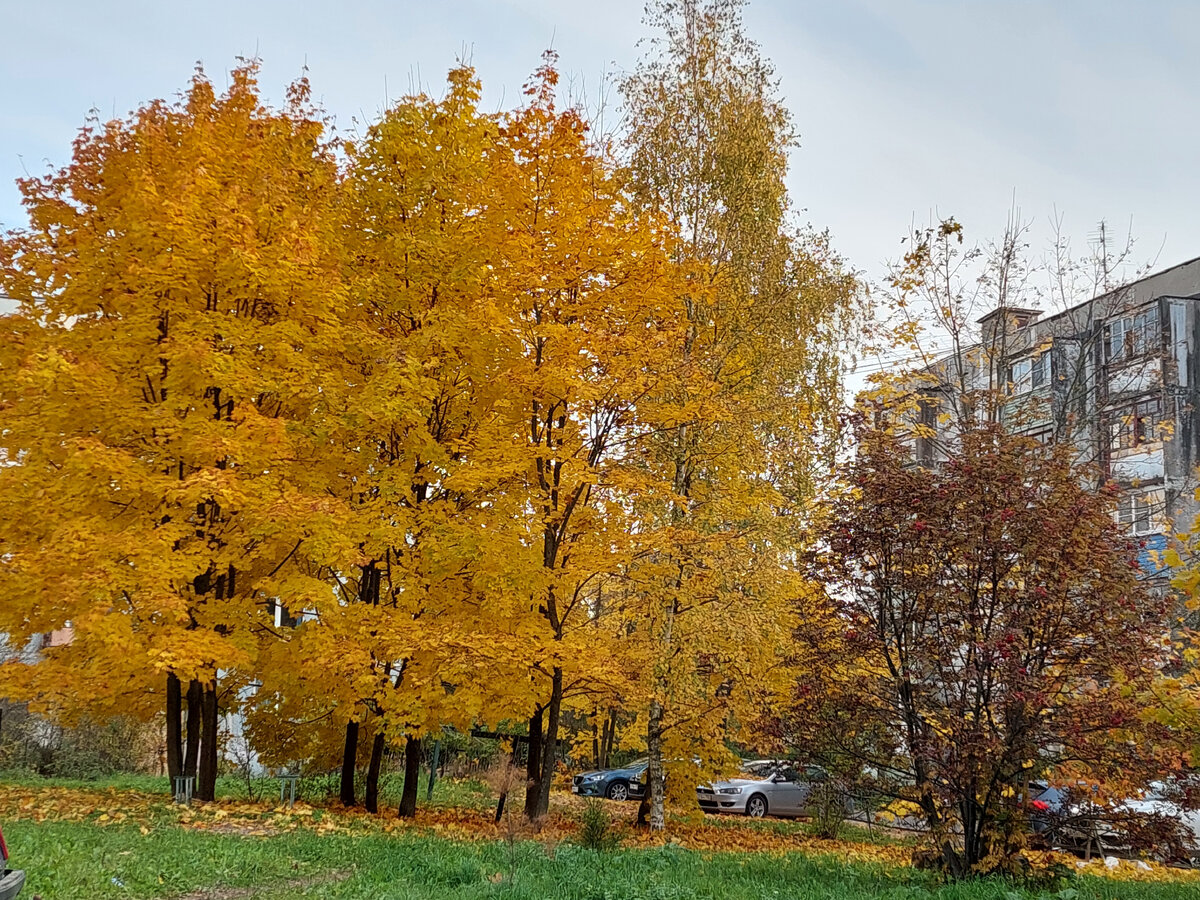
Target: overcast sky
x=905 y=108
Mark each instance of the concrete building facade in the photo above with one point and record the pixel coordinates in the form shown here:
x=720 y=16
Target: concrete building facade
x=1118 y=376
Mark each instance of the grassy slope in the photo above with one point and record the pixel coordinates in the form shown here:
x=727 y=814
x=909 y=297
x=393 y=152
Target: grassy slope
x=150 y=849
x=80 y=860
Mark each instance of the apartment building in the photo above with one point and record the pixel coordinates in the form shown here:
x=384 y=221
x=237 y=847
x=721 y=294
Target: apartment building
x=1118 y=376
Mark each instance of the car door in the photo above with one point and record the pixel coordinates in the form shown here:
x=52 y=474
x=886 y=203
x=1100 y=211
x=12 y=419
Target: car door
x=788 y=793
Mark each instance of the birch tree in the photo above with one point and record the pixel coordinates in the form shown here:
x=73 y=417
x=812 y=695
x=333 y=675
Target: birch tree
x=708 y=141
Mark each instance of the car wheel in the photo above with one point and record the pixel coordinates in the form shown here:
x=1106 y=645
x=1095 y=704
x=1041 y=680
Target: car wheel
x=618 y=790
x=756 y=806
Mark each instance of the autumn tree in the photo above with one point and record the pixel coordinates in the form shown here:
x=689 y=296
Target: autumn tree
x=431 y=188
x=417 y=623
x=1175 y=699
x=161 y=379
x=415 y=267
x=509 y=317
x=758 y=386
x=996 y=629
x=590 y=292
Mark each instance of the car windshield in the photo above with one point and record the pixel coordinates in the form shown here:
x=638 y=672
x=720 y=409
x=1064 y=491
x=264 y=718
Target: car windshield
x=758 y=768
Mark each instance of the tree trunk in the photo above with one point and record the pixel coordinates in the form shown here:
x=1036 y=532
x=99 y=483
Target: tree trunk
x=643 y=810
x=511 y=762
x=195 y=713
x=174 y=728
x=533 y=764
x=372 y=798
x=974 y=838
x=206 y=781
x=606 y=750
x=412 y=774
x=549 y=745
x=349 y=760
x=655 y=780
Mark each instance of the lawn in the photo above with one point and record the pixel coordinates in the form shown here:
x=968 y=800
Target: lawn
x=319 y=789
x=75 y=841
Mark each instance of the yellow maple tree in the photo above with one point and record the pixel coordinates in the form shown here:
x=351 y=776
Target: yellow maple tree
x=174 y=283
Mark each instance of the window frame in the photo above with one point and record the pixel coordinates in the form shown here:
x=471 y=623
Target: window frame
x=1135 y=511
x=1133 y=336
x=1136 y=425
x=1030 y=373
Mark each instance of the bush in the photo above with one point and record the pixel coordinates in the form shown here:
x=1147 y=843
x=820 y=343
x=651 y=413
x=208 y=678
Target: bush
x=86 y=750
x=828 y=805
x=596 y=827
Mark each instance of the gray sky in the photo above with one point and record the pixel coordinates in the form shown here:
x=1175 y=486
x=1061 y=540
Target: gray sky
x=905 y=107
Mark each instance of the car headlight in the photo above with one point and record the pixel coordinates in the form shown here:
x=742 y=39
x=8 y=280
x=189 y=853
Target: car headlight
x=592 y=777
x=730 y=790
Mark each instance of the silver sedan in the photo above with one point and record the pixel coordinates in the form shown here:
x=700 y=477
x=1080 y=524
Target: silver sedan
x=767 y=789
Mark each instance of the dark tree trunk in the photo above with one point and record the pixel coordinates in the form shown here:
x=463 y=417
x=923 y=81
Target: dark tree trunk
x=643 y=811
x=549 y=745
x=372 y=797
x=349 y=761
x=606 y=741
x=412 y=774
x=533 y=765
x=195 y=711
x=174 y=727
x=206 y=781
x=602 y=755
x=512 y=764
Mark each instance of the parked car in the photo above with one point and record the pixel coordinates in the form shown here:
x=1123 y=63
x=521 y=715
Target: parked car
x=1166 y=800
x=637 y=784
x=767 y=788
x=13 y=879
x=611 y=783
x=1070 y=823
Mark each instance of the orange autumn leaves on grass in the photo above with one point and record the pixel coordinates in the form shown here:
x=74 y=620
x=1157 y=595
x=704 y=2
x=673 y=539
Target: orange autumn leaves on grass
x=262 y=820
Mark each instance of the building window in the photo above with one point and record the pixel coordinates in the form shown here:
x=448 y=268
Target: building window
x=1030 y=373
x=1133 y=336
x=1136 y=512
x=1136 y=425
x=1043 y=436
x=283 y=619
x=927 y=420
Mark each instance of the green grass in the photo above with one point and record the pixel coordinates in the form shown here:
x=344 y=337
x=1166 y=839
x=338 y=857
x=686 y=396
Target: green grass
x=317 y=789
x=79 y=860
